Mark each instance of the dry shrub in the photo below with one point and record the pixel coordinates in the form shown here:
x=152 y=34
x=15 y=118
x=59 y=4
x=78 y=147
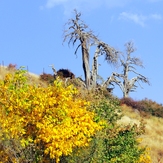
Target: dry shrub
x=146 y=107
x=130 y=102
x=65 y=73
x=12 y=66
x=47 y=78
x=152 y=107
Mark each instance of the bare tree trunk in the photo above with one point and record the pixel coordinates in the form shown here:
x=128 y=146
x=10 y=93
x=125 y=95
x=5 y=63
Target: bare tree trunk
x=86 y=68
x=95 y=68
x=125 y=94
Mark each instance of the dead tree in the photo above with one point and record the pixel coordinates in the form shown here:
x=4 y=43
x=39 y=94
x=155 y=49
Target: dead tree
x=111 y=56
x=129 y=85
x=79 y=31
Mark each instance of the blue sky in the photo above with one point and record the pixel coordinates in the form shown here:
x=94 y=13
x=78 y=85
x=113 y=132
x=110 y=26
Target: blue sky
x=31 y=34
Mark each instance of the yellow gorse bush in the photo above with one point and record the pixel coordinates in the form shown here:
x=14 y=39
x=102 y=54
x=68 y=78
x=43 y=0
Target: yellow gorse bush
x=53 y=118
x=145 y=157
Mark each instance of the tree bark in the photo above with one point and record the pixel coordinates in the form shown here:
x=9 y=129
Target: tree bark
x=85 y=59
x=95 y=68
x=126 y=94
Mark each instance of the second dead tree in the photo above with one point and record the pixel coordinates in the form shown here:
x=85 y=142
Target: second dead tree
x=122 y=80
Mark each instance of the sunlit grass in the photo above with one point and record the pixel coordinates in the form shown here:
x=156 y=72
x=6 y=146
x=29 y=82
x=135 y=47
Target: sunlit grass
x=32 y=78
x=153 y=136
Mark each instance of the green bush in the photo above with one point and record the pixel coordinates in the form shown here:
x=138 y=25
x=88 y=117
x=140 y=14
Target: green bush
x=115 y=143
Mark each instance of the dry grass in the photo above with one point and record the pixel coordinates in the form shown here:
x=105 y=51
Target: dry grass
x=153 y=137
x=32 y=78
x=3 y=71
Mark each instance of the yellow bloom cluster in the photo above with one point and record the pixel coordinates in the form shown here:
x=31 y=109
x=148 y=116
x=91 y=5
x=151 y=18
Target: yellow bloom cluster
x=145 y=157
x=54 y=118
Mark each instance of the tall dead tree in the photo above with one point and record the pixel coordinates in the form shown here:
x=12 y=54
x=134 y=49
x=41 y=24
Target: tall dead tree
x=129 y=85
x=79 y=31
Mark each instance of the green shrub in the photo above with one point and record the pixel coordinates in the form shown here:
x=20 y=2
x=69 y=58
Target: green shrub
x=115 y=143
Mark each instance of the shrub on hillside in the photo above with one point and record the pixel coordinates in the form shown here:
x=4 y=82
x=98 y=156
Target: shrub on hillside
x=145 y=106
x=114 y=144
x=61 y=73
x=12 y=66
x=132 y=103
x=42 y=124
x=65 y=73
x=152 y=107
x=47 y=78
x=55 y=124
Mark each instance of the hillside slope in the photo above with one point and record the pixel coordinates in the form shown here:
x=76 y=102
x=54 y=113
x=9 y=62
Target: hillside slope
x=153 y=136
x=153 y=125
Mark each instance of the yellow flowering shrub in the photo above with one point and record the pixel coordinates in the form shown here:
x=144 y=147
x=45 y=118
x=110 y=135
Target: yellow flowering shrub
x=52 y=119
x=145 y=157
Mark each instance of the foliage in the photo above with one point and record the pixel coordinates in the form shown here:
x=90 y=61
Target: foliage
x=145 y=106
x=152 y=107
x=42 y=124
x=47 y=78
x=65 y=73
x=12 y=66
x=114 y=144
x=130 y=102
x=145 y=157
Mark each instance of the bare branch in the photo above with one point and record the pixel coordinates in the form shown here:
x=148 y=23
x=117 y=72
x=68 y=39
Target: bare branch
x=141 y=77
x=54 y=70
x=112 y=79
x=128 y=65
x=111 y=55
x=130 y=47
x=78 y=31
x=139 y=84
x=77 y=48
x=118 y=75
x=136 y=61
x=130 y=68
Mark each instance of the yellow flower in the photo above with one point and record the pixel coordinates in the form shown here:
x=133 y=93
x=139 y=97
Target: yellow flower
x=54 y=118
